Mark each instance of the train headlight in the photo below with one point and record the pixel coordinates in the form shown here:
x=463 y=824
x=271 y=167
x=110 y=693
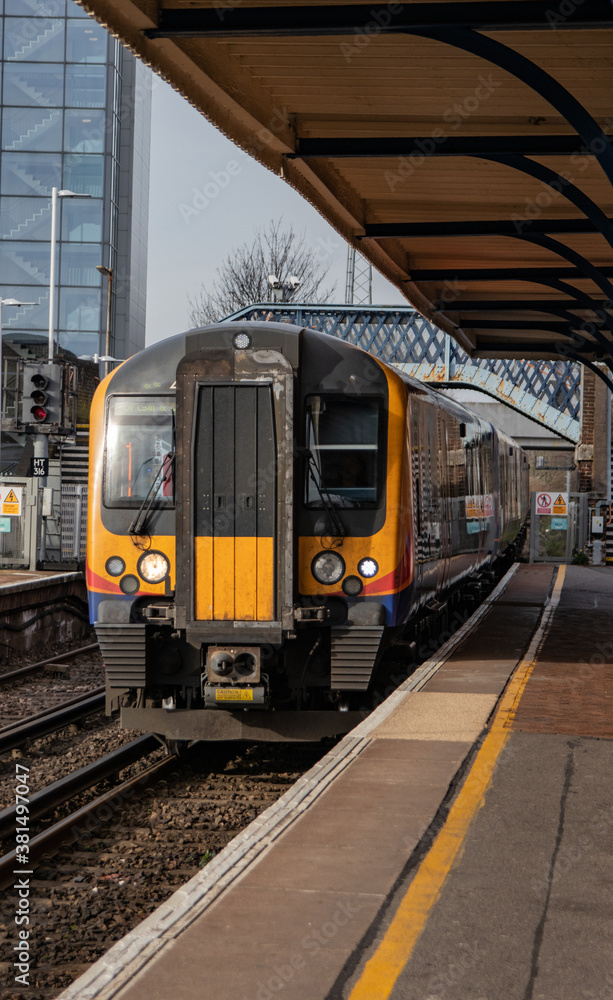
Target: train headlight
x=242 y=341
x=153 y=567
x=328 y=567
x=368 y=568
x=115 y=566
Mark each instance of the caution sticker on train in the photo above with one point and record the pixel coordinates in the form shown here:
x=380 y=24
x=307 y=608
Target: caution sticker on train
x=234 y=694
x=10 y=500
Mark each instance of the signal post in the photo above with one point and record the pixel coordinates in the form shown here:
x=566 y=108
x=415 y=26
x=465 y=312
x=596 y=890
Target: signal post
x=41 y=411
x=48 y=407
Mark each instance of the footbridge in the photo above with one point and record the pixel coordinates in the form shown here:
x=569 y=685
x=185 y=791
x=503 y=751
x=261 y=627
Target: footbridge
x=547 y=392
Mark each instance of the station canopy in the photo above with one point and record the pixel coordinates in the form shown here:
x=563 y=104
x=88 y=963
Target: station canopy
x=463 y=148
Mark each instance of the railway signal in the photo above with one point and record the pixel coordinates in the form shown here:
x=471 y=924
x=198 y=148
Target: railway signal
x=42 y=394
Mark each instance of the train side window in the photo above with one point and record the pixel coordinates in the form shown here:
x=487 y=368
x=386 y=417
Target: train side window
x=344 y=439
x=139 y=449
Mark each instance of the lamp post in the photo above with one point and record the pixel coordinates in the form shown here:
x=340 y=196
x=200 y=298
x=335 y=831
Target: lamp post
x=55 y=194
x=284 y=291
x=99 y=358
x=5 y=302
x=107 y=342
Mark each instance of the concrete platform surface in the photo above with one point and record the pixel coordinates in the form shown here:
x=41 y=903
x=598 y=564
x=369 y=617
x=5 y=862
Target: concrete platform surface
x=13 y=580
x=375 y=879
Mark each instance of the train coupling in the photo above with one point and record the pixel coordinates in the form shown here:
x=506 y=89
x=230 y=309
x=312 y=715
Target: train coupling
x=233 y=664
x=233 y=677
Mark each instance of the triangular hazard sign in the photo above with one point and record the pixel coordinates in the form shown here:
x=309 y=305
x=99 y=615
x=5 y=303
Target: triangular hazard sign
x=559 y=500
x=10 y=497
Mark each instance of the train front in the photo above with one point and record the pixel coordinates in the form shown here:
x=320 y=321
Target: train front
x=232 y=535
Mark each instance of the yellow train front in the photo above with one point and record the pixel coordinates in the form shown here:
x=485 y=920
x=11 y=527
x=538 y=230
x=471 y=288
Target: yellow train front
x=271 y=512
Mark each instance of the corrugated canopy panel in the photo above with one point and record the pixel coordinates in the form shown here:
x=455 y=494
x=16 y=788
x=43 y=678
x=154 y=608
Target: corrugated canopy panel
x=464 y=148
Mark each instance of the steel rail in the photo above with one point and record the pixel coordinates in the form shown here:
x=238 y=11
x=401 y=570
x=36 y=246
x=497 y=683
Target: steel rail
x=54 y=718
x=12 y=675
x=74 y=826
x=54 y=795
x=77 y=700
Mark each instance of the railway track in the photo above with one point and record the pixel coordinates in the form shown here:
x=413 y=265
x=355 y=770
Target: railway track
x=46 y=802
x=70 y=688
x=9 y=676
x=19 y=732
x=139 y=841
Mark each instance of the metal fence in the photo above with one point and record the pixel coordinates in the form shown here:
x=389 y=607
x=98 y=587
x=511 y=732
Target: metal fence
x=26 y=511
x=557 y=539
x=19 y=517
x=73 y=523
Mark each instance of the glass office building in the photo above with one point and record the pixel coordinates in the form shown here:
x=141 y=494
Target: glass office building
x=74 y=114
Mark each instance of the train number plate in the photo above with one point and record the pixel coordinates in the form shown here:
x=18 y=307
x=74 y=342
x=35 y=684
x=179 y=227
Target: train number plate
x=234 y=694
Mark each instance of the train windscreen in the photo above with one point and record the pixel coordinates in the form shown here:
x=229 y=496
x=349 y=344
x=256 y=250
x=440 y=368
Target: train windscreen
x=139 y=451
x=343 y=440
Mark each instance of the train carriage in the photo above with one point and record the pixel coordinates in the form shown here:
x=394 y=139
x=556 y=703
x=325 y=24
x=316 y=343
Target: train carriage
x=272 y=510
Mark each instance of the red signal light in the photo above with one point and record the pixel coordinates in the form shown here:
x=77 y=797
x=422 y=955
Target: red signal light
x=40 y=413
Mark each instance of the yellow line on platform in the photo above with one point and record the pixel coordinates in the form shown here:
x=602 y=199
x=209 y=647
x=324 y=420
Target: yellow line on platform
x=382 y=970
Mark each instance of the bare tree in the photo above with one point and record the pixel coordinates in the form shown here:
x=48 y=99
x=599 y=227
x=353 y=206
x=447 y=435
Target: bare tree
x=242 y=278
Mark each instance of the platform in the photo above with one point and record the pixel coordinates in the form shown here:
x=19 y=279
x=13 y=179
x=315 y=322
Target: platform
x=40 y=608
x=15 y=580
x=456 y=844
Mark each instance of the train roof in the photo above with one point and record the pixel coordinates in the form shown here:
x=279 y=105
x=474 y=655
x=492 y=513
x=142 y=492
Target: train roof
x=154 y=368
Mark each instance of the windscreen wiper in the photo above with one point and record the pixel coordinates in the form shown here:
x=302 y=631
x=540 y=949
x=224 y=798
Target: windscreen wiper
x=324 y=494
x=137 y=527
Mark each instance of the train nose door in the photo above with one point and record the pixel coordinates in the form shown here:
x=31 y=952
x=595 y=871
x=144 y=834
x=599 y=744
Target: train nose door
x=234 y=496
x=234 y=463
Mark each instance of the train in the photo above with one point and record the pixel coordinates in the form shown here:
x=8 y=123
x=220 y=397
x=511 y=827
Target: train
x=273 y=513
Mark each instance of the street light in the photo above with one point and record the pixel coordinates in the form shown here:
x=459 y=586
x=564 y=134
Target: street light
x=55 y=194
x=107 y=343
x=5 y=302
x=98 y=358
x=284 y=291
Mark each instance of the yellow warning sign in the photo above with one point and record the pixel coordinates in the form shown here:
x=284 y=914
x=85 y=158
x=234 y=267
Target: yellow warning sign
x=10 y=501
x=559 y=504
x=234 y=694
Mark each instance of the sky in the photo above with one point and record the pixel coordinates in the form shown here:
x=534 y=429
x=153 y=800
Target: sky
x=206 y=196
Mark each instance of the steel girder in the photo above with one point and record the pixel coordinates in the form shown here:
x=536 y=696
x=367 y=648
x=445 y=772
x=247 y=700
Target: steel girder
x=547 y=392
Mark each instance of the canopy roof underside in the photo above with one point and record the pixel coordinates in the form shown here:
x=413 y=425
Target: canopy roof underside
x=463 y=148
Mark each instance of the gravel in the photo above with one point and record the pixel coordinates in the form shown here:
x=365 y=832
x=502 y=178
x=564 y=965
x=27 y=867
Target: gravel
x=90 y=894
x=51 y=686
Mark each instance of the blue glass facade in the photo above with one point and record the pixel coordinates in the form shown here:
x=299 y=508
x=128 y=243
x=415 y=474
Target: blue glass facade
x=74 y=114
